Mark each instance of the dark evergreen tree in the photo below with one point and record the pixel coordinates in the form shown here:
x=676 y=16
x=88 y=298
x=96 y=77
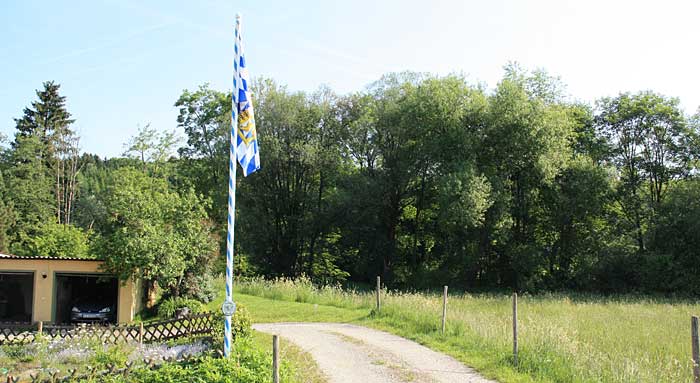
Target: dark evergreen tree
x=28 y=188
x=46 y=117
x=49 y=121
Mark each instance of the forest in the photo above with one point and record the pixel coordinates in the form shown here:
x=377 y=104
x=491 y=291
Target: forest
x=424 y=180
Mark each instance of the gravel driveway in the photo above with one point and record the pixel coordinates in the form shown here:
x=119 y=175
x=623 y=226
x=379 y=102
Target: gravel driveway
x=354 y=354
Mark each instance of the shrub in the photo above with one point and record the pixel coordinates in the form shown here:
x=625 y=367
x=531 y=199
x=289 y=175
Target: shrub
x=58 y=241
x=20 y=352
x=240 y=326
x=249 y=365
x=168 y=307
x=199 y=287
x=114 y=355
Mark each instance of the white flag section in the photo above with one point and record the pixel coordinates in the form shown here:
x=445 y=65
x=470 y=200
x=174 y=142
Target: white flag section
x=246 y=139
x=244 y=150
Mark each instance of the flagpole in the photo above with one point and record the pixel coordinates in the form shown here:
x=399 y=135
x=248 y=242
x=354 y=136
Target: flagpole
x=229 y=306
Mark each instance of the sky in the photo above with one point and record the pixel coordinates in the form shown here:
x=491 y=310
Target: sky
x=123 y=63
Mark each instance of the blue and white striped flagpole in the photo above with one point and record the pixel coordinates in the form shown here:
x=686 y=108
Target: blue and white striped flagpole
x=230 y=310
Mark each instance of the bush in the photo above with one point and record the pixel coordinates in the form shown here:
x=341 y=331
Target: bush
x=248 y=365
x=58 y=241
x=114 y=355
x=240 y=326
x=199 y=287
x=19 y=352
x=168 y=307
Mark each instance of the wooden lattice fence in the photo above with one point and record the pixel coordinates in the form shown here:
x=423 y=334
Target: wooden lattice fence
x=17 y=333
x=199 y=324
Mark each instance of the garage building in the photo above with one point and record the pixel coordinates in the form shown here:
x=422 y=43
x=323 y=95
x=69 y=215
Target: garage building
x=45 y=289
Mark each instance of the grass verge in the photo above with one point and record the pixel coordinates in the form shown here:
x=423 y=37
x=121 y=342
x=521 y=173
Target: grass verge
x=303 y=368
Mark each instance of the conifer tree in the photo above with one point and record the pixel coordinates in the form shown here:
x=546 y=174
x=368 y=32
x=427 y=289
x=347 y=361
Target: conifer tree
x=49 y=121
x=28 y=188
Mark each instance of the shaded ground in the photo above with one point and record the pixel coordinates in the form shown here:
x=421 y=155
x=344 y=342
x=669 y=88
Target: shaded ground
x=349 y=353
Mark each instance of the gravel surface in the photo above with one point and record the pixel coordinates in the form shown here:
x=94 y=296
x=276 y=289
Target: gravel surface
x=354 y=354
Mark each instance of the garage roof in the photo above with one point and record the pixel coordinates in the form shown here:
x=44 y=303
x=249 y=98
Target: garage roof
x=11 y=256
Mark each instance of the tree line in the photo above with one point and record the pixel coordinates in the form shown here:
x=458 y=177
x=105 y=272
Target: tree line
x=424 y=180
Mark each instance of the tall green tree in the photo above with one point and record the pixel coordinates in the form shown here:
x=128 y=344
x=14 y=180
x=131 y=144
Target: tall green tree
x=7 y=216
x=154 y=232
x=152 y=148
x=49 y=121
x=413 y=189
x=648 y=140
x=673 y=266
x=282 y=205
x=526 y=143
x=205 y=117
x=46 y=118
x=6 y=212
x=28 y=189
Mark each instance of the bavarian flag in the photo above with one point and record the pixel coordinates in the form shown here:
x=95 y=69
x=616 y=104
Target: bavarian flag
x=246 y=147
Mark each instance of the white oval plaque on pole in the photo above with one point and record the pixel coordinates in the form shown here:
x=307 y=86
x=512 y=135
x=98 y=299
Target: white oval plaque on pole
x=228 y=308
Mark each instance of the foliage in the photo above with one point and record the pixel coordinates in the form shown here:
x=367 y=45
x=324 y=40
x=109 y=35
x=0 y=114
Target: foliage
x=86 y=355
x=250 y=364
x=110 y=355
x=49 y=121
x=205 y=117
x=673 y=266
x=250 y=361
x=28 y=189
x=199 y=287
x=57 y=241
x=153 y=231
x=241 y=324
x=151 y=147
x=651 y=146
x=46 y=117
x=7 y=215
x=421 y=179
x=169 y=306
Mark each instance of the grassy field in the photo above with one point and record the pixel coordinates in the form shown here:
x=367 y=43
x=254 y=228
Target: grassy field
x=562 y=339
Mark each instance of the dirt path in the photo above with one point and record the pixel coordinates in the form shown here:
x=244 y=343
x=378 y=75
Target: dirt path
x=354 y=354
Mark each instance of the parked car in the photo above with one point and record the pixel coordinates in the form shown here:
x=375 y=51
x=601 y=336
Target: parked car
x=92 y=311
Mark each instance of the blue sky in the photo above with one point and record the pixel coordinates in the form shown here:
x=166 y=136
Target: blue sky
x=123 y=63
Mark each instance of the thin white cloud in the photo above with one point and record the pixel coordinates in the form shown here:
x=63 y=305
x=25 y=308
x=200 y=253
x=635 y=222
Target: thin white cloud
x=173 y=19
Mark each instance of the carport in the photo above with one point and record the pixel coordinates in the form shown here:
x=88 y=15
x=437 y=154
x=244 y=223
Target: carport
x=16 y=295
x=73 y=289
x=34 y=289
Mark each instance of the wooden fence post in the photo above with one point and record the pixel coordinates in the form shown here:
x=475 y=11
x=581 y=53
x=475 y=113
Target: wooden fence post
x=141 y=333
x=515 y=328
x=275 y=359
x=40 y=327
x=444 y=308
x=379 y=292
x=696 y=348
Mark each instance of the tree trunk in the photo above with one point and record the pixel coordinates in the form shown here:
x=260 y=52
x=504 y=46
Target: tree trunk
x=151 y=287
x=58 y=190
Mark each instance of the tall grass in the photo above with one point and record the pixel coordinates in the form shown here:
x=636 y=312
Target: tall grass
x=562 y=338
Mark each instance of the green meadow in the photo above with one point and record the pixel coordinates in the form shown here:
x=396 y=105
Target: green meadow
x=561 y=339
